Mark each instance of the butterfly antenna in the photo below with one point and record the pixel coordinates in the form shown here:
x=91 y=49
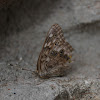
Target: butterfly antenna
x=24 y=69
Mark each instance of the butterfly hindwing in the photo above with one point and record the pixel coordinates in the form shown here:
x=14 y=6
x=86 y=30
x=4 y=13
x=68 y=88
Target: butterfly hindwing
x=55 y=52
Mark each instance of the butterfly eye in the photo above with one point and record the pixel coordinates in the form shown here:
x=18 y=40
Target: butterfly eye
x=54 y=53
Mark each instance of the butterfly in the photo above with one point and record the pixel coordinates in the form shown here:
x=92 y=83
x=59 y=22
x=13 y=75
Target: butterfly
x=55 y=55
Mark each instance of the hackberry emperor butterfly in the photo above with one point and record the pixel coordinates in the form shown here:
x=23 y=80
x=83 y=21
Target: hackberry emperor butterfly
x=55 y=55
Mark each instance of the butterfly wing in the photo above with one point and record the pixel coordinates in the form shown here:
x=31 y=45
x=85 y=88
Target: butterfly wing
x=55 y=51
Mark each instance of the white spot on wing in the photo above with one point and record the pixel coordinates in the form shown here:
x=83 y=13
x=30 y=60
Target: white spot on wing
x=64 y=48
x=49 y=43
x=58 y=49
x=50 y=35
x=66 y=53
x=60 y=39
x=45 y=45
x=48 y=59
x=55 y=48
x=50 y=31
x=54 y=40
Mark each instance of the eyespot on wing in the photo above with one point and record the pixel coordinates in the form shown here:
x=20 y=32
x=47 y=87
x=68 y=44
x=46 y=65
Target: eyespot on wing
x=53 y=53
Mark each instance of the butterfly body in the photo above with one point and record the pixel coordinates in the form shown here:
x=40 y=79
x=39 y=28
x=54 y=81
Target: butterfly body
x=55 y=55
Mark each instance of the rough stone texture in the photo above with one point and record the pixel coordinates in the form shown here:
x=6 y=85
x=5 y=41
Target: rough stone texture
x=23 y=27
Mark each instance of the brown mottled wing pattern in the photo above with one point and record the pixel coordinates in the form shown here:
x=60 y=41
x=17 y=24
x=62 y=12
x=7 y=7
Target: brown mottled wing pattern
x=55 y=53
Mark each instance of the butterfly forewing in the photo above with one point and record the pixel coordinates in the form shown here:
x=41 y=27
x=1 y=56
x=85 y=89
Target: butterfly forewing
x=54 y=54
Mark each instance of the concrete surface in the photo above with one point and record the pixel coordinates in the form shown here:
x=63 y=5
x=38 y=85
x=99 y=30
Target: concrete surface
x=23 y=28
